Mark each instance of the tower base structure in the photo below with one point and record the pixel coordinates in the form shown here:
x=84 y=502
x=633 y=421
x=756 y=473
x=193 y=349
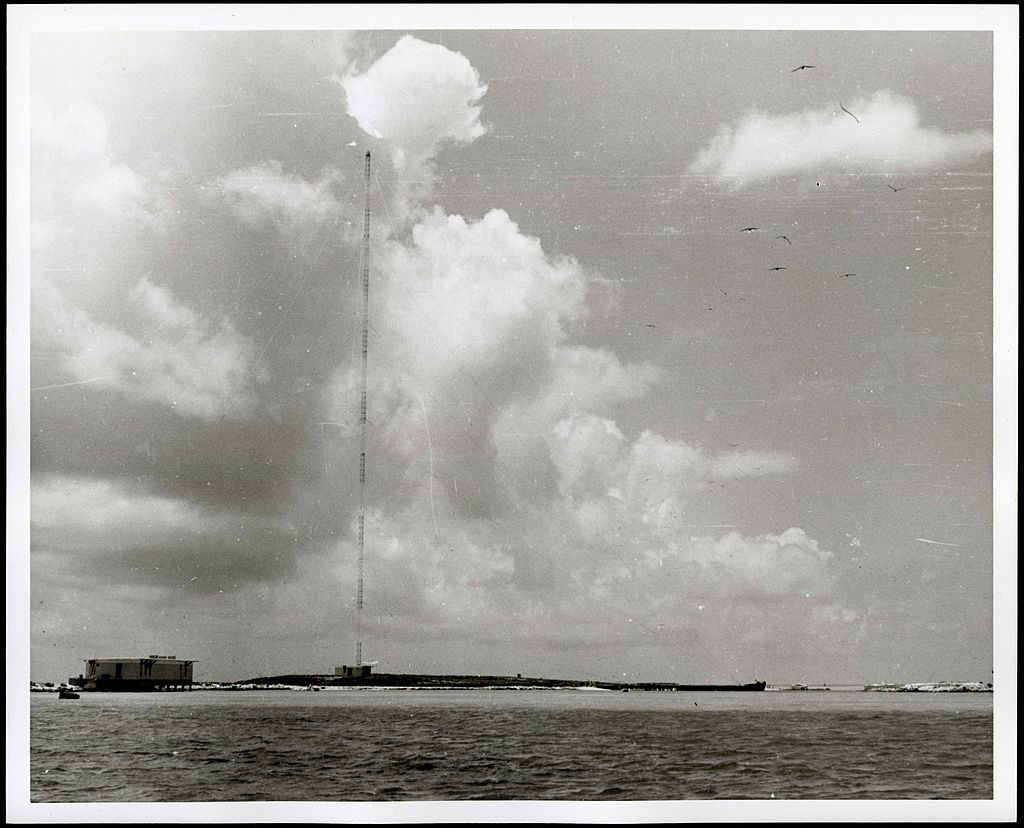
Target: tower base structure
x=362 y=671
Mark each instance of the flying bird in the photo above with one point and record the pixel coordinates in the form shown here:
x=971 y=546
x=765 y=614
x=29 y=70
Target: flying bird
x=801 y=66
x=778 y=268
x=749 y=229
x=784 y=237
x=847 y=111
x=895 y=189
x=847 y=274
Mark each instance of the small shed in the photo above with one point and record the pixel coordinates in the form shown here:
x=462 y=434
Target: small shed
x=345 y=671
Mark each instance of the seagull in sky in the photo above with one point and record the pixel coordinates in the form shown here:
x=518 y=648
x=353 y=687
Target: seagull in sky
x=801 y=66
x=749 y=229
x=784 y=237
x=847 y=274
x=895 y=189
x=847 y=111
x=778 y=268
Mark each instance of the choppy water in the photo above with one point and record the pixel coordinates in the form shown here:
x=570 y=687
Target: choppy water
x=344 y=745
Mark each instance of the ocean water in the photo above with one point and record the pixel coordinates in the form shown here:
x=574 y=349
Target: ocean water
x=352 y=745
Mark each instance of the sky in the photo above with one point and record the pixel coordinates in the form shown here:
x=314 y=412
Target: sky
x=680 y=356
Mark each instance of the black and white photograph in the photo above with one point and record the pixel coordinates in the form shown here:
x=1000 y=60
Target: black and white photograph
x=530 y=413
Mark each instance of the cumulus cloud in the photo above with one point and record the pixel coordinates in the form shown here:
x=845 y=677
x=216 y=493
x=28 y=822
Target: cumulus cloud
x=888 y=134
x=568 y=550
x=266 y=191
x=579 y=379
x=594 y=459
x=76 y=178
x=417 y=97
x=511 y=496
x=770 y=565
x=136 y=338
x=470 y=350
x=197 y=365
x=478 y=293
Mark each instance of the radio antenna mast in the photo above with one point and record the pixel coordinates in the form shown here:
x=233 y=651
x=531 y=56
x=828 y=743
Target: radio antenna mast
x=364 y=333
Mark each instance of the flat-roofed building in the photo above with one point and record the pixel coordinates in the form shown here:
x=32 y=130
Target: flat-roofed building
x=361 y=671
x=154 y=672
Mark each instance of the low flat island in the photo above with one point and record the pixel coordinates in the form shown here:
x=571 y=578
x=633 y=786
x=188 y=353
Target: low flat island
x=478 y=682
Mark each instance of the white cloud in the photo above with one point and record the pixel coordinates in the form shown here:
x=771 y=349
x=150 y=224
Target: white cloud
x=650 y=475
x=470 y=350
x=888 y=136
x=575 y=383
x=199 y=366
x=266 y=191
x=547 y=557
x=416 y=97
x=80 y=132
x=76 y=178
x=151 y=347
x=581 y=379
x=479 y=294
x=160 y=307
x=787 y=564
x=583 y=450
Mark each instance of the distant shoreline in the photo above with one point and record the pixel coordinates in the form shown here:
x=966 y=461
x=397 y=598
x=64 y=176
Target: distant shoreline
x=523 y=682
x=400 y=681
x=472 y=682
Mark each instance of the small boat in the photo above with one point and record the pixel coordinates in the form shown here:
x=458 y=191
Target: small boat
x=67 y=694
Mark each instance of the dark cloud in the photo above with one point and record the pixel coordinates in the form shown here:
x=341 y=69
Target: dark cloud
x=205 y=565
